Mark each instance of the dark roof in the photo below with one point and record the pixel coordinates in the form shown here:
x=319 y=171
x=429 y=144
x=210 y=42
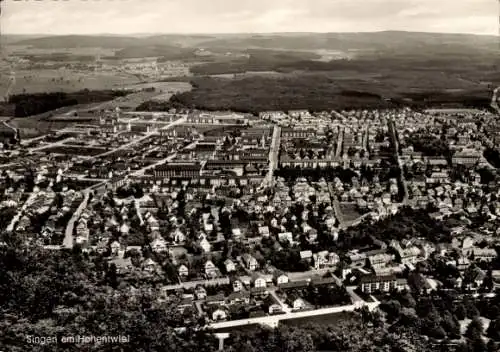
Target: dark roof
x=179 y=166
x=371 y=279
x=294 y=284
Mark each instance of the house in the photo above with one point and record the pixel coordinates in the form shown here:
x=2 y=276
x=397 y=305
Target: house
x=260 y=282
x=324 y=259
x=250 y=262
x=419 y=283
x=115 y=248
x=275 y=309
x=298 y=303
x=379 y=260
x=183 y=270
x=306 y=255
x=205 y=245
x=200 y=292
x=285 y=237
x=474 y=278
x=282 y=279
x=237 y=234
x=158 y=245
x=409 y=255
x=210 y=269
x=178 y=236
x=149 y=265
x=237 y=286
x=241 y=297
x=218 y=299
x=264 y=231
x=483 y=254
x=462 y=263
x=230 y=266
x=219 y=314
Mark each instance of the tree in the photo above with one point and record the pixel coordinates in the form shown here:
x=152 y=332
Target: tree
x=493 y=331
x=474 y=329
x=297 y=340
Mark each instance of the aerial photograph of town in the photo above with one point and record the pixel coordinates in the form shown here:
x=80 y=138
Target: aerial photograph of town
x=250 y=176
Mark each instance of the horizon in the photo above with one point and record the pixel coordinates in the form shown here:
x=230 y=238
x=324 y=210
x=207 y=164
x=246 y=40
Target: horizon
x=196 y=17
x=208 y=34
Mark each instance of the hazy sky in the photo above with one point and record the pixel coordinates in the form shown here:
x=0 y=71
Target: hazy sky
x=230 y=16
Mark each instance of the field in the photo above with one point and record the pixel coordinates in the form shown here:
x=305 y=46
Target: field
x=166 y=89
x=46 y=80
x=327 y=319
x=349 y=211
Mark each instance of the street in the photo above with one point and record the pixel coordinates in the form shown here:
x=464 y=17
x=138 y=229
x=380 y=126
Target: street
x=273 y=157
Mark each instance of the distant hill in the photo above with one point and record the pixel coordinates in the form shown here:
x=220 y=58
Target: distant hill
x=345 y=41
x=80 y=41
x=110 y=41
x=288 y=41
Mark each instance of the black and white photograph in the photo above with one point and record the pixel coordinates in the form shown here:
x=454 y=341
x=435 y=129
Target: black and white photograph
x=250 y=176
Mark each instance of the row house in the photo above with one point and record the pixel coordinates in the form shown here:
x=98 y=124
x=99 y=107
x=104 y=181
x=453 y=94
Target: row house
x=370 y=284
x=178 y=171
x=293 y=133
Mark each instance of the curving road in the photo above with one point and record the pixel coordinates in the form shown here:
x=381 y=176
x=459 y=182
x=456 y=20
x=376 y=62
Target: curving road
x=494 y=100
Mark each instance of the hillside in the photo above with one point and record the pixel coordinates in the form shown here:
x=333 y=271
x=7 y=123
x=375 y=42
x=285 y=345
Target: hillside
x=299 y=41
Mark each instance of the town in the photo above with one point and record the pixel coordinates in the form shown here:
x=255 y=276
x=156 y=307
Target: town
x=238 y=219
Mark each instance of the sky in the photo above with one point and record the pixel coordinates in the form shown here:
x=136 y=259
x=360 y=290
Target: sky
x=246 y=16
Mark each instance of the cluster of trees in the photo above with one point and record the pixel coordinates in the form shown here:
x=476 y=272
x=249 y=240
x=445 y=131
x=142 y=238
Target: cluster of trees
x=134 y=190
x=256 y=94
x=429 y=144
x=355 y=333
x=38 y=103
x=438 y=316
x=406 y=224
x=62 y=293
x=315 y=174
x=493 y=156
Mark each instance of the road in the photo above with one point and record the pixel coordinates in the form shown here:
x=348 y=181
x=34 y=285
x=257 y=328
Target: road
x=16 y=218
x=340 y=141
x=31 y=140
x=273 y=320
x=68 y=234
x=51 y=145
x=392 y=128
x=494 y=99
x=273 y=156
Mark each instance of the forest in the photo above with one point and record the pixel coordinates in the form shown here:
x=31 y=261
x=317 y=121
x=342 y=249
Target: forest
x=322 y=91
x=24 y=105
